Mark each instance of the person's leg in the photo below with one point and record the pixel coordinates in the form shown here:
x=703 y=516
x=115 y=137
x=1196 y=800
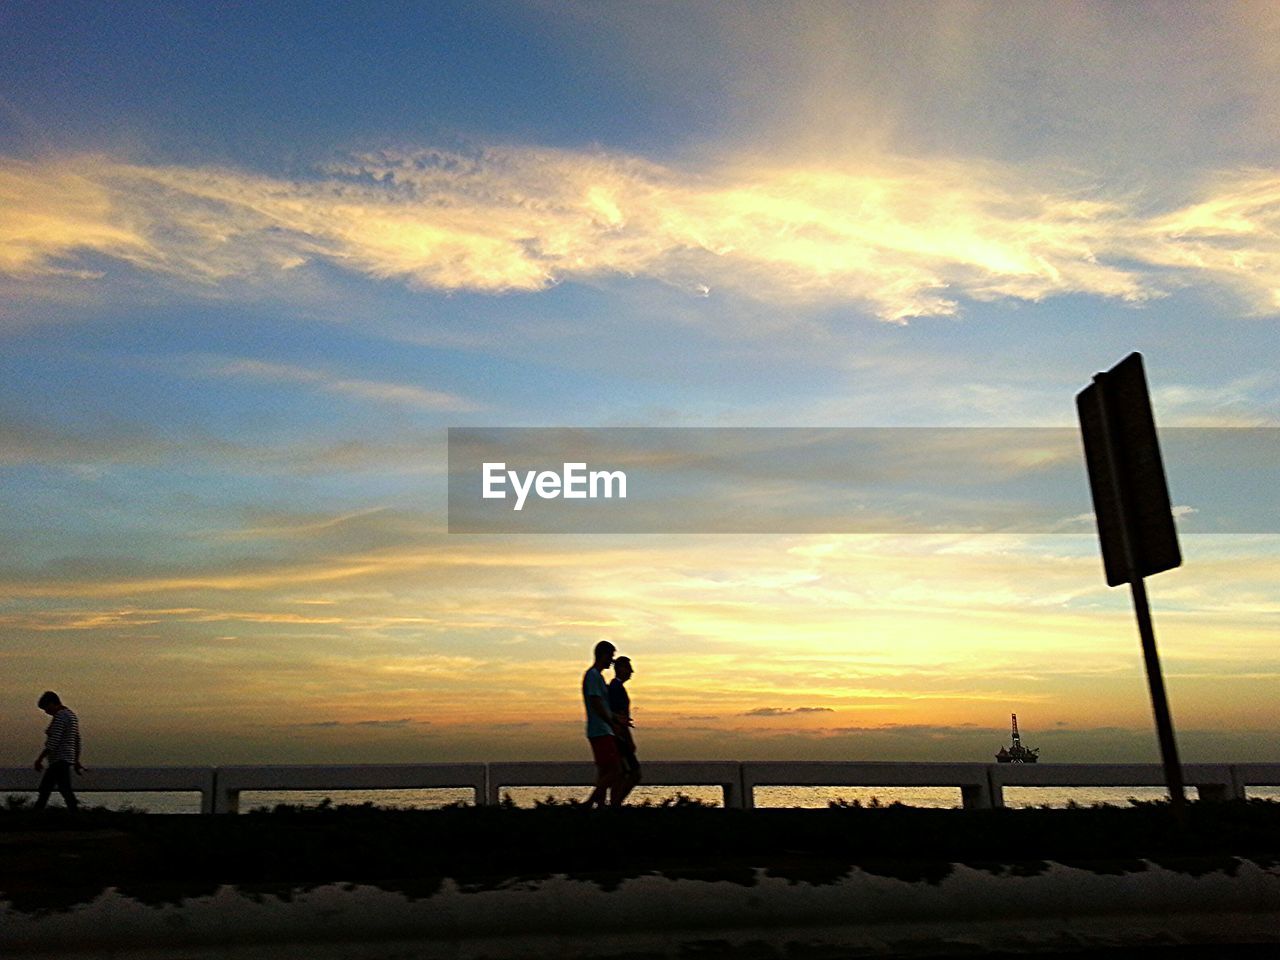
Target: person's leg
x=625 y=787
x=618 y=787
x=64 y=785
x=46 y=786
x=628 y=777
x=597 y=795
x=607 y=780
x=604 y=751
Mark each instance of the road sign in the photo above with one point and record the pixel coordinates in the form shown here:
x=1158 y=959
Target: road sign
x=1135 y=521
x=1126 y=475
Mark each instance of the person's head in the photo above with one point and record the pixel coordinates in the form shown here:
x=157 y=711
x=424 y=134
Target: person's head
x=622 y=668
x=604 y=654
x=49 y=702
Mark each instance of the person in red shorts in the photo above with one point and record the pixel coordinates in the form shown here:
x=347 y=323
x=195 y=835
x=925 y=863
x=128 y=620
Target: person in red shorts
x=602 y=728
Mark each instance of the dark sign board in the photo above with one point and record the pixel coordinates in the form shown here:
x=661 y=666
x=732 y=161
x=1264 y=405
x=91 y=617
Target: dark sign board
x=1126 y=474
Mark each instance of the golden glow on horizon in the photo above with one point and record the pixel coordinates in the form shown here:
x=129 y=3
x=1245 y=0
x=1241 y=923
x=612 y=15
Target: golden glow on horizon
x=752 y=639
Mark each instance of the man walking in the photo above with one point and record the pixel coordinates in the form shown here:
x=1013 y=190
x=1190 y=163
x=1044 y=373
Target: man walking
x=601 y=728
x=62 y=748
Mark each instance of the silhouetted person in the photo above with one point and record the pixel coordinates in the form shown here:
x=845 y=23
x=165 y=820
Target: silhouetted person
x=62 y=748
x=620 y=705
x=601 y=728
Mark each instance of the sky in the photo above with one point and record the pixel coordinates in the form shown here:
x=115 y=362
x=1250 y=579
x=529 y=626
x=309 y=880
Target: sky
x=257 y=259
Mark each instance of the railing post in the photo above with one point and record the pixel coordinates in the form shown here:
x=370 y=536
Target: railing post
x=1214 y=783
x=1213 y=792
x=225 y=800
x=1238 y=783
x=209 y=793
x=735 y=796
x=995 y=786
x=976 y=796
x=747 y=788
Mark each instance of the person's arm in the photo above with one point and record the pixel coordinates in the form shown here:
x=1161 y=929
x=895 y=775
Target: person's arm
x=39 y=764
x=78 y=767
x=625 y=724
x=624 y=734
x=620 y=704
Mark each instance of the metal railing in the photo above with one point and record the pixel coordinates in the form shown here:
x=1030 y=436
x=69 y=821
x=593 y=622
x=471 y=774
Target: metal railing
x=124 y=780
x=981 y=785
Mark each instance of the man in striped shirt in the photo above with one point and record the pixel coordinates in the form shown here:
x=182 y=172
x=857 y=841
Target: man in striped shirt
x=62 y=748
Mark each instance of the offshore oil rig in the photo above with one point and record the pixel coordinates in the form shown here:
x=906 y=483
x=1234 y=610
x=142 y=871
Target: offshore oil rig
x=1017 y=753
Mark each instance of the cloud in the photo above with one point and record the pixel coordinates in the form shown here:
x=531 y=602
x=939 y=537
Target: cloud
x=24 y=442
x=297 y=526
x=785 y=711
x=380 y=391
x=48 y=214
x=388 y=724
x=1231 y=236
x=903 y=237
x=64 y=620
x=1248 y=401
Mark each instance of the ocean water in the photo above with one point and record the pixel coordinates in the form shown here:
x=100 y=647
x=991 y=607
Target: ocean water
x=796 y=797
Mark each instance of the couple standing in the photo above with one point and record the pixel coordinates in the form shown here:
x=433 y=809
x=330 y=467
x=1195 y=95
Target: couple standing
x=609 y=727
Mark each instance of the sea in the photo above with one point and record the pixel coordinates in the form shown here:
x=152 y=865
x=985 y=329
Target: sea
x=765 y=797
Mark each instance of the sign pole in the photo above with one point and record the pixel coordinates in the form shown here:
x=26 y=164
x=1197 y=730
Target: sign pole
x=1159 y=702
x=1142 y=610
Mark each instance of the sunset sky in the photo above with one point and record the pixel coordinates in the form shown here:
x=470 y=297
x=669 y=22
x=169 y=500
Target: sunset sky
x=256 y=259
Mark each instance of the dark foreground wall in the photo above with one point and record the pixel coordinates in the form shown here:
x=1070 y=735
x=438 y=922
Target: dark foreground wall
x=1050 y=907
x=684 y=881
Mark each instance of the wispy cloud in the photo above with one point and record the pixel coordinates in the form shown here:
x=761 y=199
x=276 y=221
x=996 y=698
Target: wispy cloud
x=904 y=237
x=786 y=711
x=23 y=441
x=52 y=213
x=281 y=526
x=1231 y=236
x=386 y=724
x=1242 y=402
x=379 y=391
